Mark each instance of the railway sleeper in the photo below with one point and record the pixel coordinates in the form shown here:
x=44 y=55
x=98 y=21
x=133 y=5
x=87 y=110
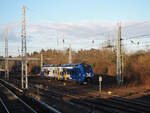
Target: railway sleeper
x=131 y=105
x=133 y=102
x=30 y=101
x=14 y=103
x=112 y=105
x=146 y=101
x=94 y=107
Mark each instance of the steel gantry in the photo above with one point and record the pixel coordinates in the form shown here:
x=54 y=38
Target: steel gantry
x=119 y=58
x=24 y=78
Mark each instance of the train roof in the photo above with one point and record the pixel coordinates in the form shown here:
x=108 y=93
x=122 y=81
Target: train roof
x=65 y=65
x=49 y=65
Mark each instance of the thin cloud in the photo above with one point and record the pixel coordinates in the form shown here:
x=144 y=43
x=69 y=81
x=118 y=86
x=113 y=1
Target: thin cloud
x=80 y=35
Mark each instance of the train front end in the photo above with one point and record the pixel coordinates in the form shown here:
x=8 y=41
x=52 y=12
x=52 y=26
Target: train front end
x=88 y=72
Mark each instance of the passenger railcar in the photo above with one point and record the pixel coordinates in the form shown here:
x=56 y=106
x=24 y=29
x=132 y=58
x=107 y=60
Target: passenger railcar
x=77 y=72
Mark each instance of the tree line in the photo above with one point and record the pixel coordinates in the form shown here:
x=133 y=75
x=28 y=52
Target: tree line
x=136 y=66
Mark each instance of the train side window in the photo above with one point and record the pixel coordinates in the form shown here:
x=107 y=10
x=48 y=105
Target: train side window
x=71 y=72
x=55 y=72
x=74 y=72
x=67 y=71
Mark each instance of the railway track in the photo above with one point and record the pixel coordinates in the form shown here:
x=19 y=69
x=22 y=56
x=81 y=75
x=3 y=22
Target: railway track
x=12 y=103
x=35 y=105
x=112 y=105
x=50 y=82
x=115 y=104
x=3 y=108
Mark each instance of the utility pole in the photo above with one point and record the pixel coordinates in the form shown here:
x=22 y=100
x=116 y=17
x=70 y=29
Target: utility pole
x=6 y=55
x=119 y=58
x=92 y=44
x=24 y=77
x=63 y=41
x=41 y=60
x=57 y=39
x=64 y=51
x=70 y=54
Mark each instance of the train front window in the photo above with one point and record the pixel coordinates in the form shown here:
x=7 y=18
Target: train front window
x=87 y=68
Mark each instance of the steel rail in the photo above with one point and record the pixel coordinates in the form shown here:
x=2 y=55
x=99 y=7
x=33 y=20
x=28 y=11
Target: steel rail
x=12 y=85
x=41 y=102
x=19 y=99
x=4 y=105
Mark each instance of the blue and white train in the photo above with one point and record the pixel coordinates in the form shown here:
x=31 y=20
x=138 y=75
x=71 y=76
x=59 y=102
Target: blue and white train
x=80 y=72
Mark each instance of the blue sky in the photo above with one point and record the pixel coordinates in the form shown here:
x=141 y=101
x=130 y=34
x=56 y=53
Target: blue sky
x=76 y=10
x=77 y=21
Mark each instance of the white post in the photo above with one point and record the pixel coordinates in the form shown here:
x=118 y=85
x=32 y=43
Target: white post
x=26 y=75
x=100 y=84
x=41 y=60
x=70 y=54
x=22 y=74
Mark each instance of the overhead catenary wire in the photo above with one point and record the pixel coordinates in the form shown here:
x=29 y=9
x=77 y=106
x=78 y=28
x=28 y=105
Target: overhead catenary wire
x=136 y=24
x=138 y=36
x=102 y=33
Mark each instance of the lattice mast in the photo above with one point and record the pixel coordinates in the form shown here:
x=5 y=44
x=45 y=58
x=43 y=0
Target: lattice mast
x=119 y=57
x=70 y=54
x=24 y=77
x=6 y=55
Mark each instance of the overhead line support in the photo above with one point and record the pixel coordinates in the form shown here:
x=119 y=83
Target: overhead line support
x=119 y=58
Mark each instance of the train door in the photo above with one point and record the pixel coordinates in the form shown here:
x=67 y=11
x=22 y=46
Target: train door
x=68 y=74
x=58 y=73
x=52 y=72
x=64 y=74
x=71 y=72
x=74 y=74
x=61 y=73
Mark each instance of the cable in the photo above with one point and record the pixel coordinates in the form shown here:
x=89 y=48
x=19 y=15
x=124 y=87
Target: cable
x=148 y=21
x=138 y=36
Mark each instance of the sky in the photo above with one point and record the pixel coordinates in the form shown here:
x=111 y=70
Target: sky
x=76 y=10
x=77 y=21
